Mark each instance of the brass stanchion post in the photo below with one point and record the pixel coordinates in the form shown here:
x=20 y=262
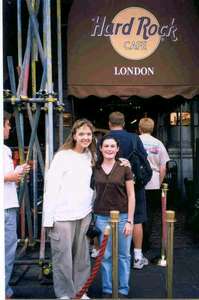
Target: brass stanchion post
x=170 y=219
x=162 y=261
x=114 y=226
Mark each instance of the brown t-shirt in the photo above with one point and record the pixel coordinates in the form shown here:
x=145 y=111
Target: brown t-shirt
x=111 y=190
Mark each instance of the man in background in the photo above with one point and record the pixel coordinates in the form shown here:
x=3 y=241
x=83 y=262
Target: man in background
x=157 y=157
x=128 y=141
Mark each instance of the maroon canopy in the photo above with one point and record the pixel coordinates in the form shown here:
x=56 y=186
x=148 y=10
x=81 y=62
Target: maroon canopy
x=127 y=48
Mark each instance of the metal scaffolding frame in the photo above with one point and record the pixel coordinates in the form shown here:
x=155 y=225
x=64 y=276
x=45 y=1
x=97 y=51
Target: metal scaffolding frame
x=27 y=98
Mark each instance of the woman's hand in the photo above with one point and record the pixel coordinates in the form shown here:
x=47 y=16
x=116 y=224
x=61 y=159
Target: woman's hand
x=124 y=162
x=128 y=229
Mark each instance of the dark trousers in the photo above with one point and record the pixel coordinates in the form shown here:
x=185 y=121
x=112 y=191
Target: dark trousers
x=153 y=204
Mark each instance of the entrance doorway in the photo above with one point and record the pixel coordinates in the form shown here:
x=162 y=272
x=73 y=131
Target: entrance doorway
x=134 y=108
x=160 y=110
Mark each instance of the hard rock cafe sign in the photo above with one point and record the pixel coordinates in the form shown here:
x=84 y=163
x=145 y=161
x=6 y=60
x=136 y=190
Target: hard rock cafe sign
x=134 y=32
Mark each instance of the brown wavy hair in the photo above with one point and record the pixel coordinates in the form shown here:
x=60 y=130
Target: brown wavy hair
x=100 y=156
x=70 y=142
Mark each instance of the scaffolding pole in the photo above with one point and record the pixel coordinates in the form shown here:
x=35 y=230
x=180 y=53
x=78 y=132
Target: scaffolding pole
x=60 y=83
x=30 y=98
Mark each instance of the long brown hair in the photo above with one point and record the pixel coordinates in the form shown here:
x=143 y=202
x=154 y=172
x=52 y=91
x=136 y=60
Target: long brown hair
x=70 y=142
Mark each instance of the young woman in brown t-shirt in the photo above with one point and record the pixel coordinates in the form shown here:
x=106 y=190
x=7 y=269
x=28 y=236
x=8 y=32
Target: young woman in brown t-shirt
x=114 y=191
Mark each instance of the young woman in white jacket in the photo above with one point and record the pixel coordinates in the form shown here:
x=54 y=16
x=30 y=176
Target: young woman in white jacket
x=67 y=209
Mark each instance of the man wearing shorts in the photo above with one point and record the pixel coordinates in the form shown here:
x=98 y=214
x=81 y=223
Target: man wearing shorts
x=158 y=158
x=127 y=141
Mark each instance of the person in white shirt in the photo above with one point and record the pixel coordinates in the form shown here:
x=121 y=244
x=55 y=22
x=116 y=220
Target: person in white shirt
x=11 y=178
x=158 y=157
x=67 y=209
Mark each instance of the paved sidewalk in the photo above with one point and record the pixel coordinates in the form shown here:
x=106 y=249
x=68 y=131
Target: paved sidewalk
x=150 y=282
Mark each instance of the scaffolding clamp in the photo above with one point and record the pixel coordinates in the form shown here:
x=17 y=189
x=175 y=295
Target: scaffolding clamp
x=60 y=107
x=51 y=99
x=24 y=97
x=34 y=107
x=13 y=100
x=45 y=108
x=7 y=93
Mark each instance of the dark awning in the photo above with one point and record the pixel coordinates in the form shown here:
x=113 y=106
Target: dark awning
x=127 y=48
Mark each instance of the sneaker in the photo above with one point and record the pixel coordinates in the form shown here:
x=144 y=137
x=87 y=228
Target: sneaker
x=64 y=297
x=85 y=296
x=139 y=263
x=94 y=253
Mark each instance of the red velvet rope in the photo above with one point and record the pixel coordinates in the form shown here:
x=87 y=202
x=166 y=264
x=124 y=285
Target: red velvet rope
x=95 y=267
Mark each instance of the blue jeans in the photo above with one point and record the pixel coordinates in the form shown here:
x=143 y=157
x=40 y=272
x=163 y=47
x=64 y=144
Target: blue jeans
x=124 y=257
x=10 y=245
